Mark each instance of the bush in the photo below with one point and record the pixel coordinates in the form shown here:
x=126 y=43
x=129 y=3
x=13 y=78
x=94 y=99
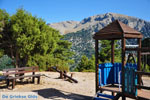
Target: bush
x=86 y=64
x=147 y=68
x=6 y=62
x=89 y=70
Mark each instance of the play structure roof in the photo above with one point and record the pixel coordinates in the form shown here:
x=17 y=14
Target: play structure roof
x=117 y=30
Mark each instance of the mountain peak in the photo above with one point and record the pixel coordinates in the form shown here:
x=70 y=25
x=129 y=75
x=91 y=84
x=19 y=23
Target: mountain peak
x=96 y=22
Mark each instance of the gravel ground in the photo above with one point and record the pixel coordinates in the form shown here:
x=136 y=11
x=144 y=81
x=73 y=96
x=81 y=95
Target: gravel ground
x=53 y=88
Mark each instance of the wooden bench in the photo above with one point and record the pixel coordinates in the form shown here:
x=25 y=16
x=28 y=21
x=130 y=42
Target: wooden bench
x=20 y=73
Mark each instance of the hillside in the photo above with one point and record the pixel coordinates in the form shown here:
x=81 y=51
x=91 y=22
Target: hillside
x=65 y=27
x=81 y=35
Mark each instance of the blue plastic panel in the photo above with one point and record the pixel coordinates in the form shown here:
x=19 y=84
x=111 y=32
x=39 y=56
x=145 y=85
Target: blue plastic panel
x=105 y=95
x=109 y=73
x=130 y=81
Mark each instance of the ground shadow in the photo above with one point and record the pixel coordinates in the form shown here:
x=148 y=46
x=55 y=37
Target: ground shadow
x=55 y=94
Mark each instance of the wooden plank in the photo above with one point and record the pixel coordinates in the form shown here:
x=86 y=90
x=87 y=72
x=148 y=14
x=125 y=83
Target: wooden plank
x=143 y=49
x=142 y=73
x=110 y=89
x=65 y=75
x=96 y=65
x=145 y=53
x=18 y=77
x=112 y=37
x=22 y=68
x=70 y=78
x=20 y=72
x=143 y=87
x=132 y=36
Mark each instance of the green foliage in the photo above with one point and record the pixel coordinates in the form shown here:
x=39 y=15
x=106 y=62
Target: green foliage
x=1 y=52
x=86 y=65
x=4 y=19
x=29 y=41
x=6 y=62
x=146 y=43
x=105 y=51
x=146 y=69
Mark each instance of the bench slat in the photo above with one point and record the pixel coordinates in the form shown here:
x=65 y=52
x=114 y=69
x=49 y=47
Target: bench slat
x=22 y=68
x=18 y=77
x=20 y=72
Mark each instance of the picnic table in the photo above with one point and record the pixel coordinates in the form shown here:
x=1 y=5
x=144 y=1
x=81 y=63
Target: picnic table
x=12 y=74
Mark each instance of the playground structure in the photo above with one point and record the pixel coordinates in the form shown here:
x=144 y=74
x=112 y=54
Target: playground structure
x=64 y=75
x=112 y=76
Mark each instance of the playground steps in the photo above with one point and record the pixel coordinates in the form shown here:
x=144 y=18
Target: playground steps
x=101 y=96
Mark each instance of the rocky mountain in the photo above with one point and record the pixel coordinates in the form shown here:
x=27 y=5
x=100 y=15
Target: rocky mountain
x=80 y=33
x=65 y=27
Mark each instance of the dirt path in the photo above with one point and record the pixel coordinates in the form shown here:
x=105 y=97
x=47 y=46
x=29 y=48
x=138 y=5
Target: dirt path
x=52 y=88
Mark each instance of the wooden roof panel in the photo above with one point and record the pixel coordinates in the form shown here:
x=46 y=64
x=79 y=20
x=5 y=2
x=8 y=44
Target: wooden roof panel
x=117 y=29
x=127 y=29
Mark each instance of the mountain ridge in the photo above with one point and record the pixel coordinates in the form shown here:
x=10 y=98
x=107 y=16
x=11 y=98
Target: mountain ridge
x=81 y=36
x=88 y=22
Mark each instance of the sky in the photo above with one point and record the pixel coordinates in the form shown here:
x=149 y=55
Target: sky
x=64 y=10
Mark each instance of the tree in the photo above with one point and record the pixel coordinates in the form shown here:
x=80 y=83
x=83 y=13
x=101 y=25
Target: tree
x=31 y=42
x=146 y=58
x=4 y=23
x=63 y=54
x=86 y=65
x=105 y=51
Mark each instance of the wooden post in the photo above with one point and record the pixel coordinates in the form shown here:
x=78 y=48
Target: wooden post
x=96 y=65
x=61 y=75
x=38 y=82
x=112 y=58
x=112 y=51
x=33 y=78
x=13 y=83
x=123 y=64
x=8 y=82
x=65 y=73
x=139 y=60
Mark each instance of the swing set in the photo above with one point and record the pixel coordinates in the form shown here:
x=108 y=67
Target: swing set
x=121 y=79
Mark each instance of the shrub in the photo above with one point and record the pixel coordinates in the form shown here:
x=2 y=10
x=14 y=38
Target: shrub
x=6 y=62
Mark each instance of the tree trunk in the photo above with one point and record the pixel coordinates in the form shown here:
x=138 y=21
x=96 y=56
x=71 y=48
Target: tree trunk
x=24 y=61
x=12 y=55
x=17 y=60
x=11 y=52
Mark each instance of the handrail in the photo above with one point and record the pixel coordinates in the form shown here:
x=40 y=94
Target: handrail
x=142 y=73
x=143 y=87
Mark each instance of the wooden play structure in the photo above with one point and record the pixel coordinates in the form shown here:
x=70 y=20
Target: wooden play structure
x=64 y=75
x=113 y=76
